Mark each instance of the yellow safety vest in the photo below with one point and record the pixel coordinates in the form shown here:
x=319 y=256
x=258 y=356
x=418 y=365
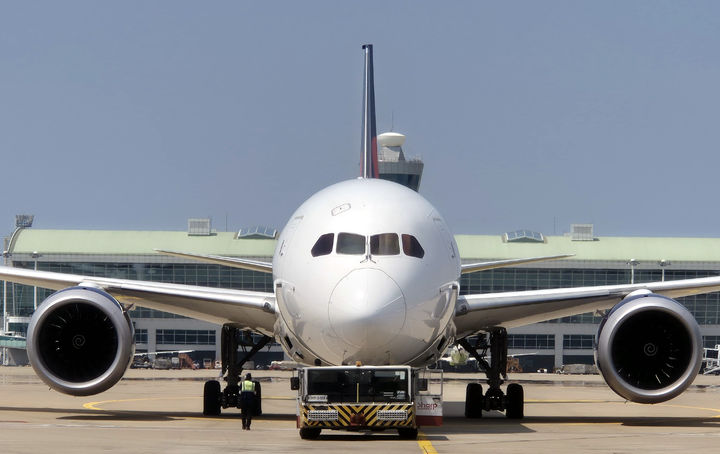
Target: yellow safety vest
x=248 y=385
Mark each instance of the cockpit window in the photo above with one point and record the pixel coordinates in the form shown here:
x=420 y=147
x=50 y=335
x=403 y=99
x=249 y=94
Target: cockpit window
x=384 y=244
x=411 y=246
x=350 y=243
x=323 y=246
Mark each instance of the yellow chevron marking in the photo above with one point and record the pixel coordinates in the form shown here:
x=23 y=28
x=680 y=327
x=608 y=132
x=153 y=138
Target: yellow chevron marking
x=369 y=411
x=95 y=405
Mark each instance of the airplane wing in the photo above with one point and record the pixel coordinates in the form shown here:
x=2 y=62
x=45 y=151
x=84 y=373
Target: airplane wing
x=482 y=266
x=482 y=312
x=246 y=309
x=234 y=262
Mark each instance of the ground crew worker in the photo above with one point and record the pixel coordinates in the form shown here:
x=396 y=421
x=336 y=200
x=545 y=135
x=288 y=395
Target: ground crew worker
x=247 y=401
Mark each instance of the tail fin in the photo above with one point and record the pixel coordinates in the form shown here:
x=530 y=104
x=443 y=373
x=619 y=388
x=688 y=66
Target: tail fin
x=370 y=168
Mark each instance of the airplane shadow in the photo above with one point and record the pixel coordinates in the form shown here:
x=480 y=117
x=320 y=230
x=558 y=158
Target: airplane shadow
x=74 y=414
x=388 y=435
x=491 y=423
x=498 y=424
x=168 y=416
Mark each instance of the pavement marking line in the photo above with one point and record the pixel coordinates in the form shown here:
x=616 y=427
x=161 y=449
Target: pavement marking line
x=716 y=410
x=425 y=444
x=601 y=401
x=422 y=441
x=691 y=407
x=590 y=423
x=567 y=401
x=94 y=405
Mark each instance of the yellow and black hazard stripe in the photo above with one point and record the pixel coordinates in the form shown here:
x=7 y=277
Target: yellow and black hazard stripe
x=361 y=415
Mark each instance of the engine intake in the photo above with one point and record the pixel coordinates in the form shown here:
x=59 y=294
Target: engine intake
x=80 y=341
x=649 y=348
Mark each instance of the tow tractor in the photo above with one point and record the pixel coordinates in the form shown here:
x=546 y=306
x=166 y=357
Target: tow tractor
x=367 y=398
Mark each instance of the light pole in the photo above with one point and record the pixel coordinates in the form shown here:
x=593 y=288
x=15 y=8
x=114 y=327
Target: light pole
x=633 y=264
x=663 y=263
x=35 y=256
x=6 y=254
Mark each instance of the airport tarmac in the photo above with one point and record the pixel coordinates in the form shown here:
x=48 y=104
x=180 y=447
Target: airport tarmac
x=160 y=411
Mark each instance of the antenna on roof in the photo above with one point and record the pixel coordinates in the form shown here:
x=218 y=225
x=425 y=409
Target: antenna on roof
x=369 y=138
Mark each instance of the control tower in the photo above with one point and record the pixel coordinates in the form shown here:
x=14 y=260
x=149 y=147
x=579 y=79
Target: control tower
x=393 y=165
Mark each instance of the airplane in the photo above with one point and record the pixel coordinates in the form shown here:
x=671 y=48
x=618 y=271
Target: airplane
x=365 y=270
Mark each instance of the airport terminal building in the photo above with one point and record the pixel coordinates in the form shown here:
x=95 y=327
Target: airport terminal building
x=132 y=255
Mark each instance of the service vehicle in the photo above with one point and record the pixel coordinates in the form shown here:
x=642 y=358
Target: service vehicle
x=367 y=398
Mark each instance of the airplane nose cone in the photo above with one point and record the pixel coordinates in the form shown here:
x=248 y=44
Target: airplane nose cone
x=367 y=309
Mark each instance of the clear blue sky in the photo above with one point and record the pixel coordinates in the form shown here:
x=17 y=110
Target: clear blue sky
x=139 y=115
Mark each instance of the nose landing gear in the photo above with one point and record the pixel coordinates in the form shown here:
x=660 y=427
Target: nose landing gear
x=512 y=401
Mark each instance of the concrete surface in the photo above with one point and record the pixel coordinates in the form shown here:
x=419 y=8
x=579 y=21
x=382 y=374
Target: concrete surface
x=160 y=411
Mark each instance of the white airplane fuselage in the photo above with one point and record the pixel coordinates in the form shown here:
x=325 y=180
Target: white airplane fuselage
x=380 y=286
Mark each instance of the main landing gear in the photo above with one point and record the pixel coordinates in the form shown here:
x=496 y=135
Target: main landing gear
x=512 y=401
x=231 y=339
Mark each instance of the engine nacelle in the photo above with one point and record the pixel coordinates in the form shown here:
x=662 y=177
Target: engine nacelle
x=649 y=348
x=80 y=341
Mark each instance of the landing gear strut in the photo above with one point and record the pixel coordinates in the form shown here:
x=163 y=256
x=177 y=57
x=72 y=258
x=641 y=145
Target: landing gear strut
x=512 y=402
x=232 y=367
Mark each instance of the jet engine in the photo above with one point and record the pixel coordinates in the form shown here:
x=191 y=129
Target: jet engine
x=649 y=348
x=80 y=341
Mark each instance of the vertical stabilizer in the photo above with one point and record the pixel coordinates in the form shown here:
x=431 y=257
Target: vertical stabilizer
x=369 y=137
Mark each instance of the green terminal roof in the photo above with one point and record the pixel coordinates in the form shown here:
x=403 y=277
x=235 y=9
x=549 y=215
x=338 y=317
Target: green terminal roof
x=602 y=248
x=471 y=246
x=138 y=243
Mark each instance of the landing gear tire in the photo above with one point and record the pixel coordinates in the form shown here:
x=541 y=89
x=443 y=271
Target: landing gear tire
x=258 y=398
x=211 y=398
x=473 y=400
x=407 y=433
x=515 y=401
x=308 y=433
